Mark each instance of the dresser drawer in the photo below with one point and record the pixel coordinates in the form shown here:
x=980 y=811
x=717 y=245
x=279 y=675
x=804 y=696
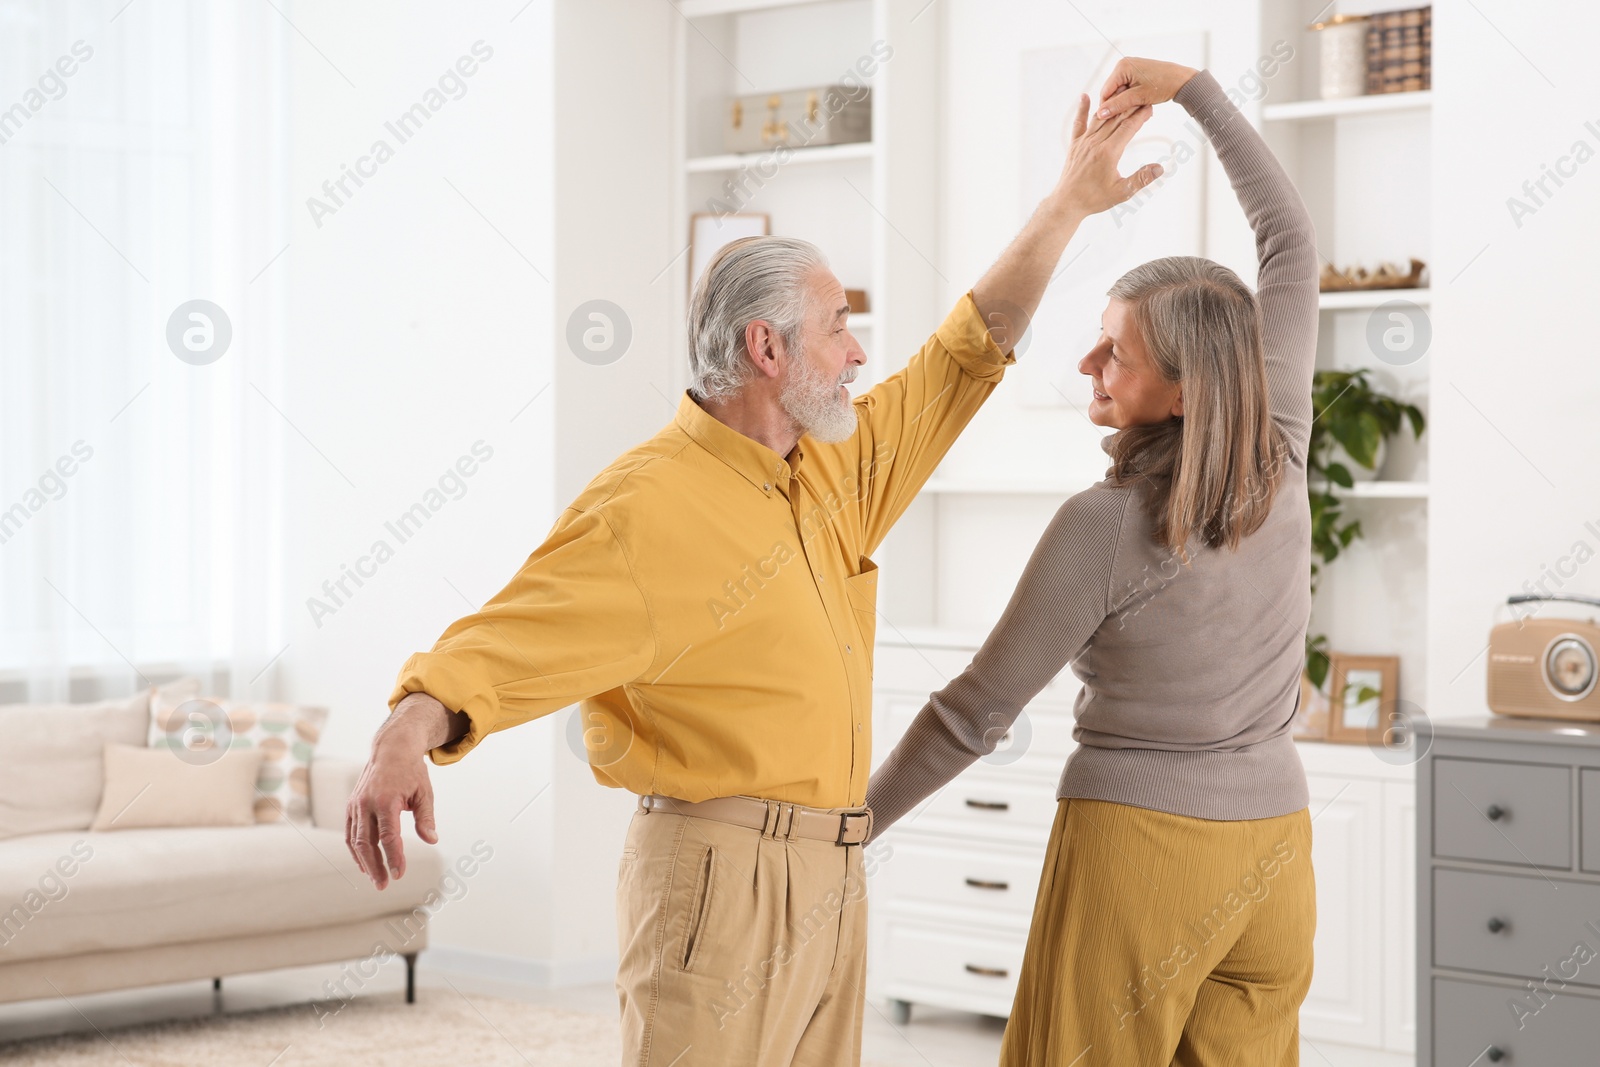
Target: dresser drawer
x=975 y=968
x=1502 y=812
x=1516 y=925
x=1589 y=785
x=1471 y=1020
x=969 y=876
x=989 y=803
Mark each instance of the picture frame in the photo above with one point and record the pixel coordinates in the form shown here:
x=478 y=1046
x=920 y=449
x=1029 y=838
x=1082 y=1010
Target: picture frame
x=1359 y=687
x=709 y=231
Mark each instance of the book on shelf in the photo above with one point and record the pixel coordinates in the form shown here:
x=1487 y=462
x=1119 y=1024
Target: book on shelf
x=1400 y=51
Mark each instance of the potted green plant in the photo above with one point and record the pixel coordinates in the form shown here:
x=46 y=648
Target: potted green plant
x=1350 y=421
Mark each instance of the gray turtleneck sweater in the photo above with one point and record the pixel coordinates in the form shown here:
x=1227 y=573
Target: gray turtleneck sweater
x=1191 y=674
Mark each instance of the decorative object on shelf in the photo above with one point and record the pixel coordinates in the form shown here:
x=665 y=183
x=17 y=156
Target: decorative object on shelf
x=1346 y=413
x=1358 y=688
x=827 y=114
x=1546 y=668
x=709 y=231
x=1400 y=51
x=1387 y=276
x=1344 y=56
x=857 y=299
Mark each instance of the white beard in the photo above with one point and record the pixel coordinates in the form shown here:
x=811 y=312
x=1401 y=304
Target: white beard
x=813 y=401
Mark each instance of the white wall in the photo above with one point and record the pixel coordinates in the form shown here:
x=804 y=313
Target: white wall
x=1516 y=453
x=982 y=210
x=417 y=328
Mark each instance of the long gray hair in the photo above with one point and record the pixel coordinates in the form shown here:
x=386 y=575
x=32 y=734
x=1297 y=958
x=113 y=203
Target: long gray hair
x=748 y=279
x=1214 y=470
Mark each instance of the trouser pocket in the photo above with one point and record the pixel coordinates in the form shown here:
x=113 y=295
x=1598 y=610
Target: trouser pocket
x=694 y=934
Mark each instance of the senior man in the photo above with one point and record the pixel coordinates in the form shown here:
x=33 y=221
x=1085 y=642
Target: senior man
x=710 y=597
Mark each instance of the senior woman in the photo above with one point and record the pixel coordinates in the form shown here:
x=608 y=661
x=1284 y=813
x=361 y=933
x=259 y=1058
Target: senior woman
x=1176 y=907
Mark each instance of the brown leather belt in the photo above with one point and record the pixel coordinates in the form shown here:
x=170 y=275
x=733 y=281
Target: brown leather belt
x=774 y=818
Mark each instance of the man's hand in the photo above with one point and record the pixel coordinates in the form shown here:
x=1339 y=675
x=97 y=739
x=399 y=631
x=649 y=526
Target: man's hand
x=1138 y=83
x=1090 y=182
x=395 y=780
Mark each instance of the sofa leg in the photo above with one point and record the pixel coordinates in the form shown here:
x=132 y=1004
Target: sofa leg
x=411 y=977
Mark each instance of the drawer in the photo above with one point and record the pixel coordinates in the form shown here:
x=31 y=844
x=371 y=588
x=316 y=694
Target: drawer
x=1502 y=812
x=989 y=804
x=978 y=968
x=971 y=876
x=1516 y=925
x=1589 y=784
x=1471 y=1020
x=1039 y=733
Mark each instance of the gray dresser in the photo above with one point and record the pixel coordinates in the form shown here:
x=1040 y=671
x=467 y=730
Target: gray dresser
x=1508 y=894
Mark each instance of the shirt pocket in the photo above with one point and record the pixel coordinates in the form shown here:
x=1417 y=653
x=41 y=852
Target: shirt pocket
x=862 y=590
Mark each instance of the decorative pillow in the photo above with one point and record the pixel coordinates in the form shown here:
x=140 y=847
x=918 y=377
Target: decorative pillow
x=285 y=734
x=158 y=787
x=52 y=760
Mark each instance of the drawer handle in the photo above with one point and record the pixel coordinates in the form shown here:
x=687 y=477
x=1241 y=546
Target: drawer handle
x=987 y=972
x=1496 y=925
x=1496 y=812
x=989 y=805
x=979 y=883
x=1495 y=1054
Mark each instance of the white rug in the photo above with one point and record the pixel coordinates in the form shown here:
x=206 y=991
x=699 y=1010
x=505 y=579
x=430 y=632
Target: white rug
x=443 y=1027
x=380 y=1030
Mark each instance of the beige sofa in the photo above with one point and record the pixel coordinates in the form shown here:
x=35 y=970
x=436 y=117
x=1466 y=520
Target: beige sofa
x=84 y=911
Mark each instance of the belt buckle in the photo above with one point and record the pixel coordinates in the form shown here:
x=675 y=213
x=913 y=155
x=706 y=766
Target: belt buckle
x=844 y=822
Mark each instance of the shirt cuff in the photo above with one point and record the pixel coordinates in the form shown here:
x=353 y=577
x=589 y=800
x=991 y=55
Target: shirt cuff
x=433 y=674
x=964 y=335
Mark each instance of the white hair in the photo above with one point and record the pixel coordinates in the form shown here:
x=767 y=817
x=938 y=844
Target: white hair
x=748 y=279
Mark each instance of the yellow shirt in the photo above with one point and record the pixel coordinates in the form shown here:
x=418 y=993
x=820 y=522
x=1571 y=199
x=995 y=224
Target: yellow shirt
x=711 y=603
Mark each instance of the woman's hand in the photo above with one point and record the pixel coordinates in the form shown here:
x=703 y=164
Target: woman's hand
x=1138 y=83
x=1089 y=182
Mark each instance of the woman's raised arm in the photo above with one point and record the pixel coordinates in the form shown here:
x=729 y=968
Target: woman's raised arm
x=1286 y=280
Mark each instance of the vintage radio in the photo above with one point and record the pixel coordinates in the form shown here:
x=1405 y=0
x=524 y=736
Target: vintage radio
x=828 y=114
x=1545 y=668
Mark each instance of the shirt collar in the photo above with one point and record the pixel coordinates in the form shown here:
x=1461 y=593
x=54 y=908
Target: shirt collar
x=760 y=465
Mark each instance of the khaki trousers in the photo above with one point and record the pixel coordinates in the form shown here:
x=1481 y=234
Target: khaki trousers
x=738 y=947
x=1161 y=939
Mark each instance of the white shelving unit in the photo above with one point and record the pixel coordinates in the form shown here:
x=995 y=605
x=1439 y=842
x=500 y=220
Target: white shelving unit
x=867 y=205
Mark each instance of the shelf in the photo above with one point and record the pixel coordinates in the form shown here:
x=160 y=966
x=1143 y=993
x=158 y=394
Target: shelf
x=1378 y=103
x=1001 y=487
x=1362 y=299
x=828 y=153
x=1382 y=490
x=931 y=637
x=700 y=8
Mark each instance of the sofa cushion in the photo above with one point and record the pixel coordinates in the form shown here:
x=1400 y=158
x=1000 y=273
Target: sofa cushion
x=157 y=787
x=52 y=762
x=285 y=734
x=134 y=888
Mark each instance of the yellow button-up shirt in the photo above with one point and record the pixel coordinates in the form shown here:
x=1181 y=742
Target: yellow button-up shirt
x=712 y=604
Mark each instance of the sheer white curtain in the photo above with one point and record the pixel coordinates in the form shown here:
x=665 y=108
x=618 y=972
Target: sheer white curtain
x=140 y=169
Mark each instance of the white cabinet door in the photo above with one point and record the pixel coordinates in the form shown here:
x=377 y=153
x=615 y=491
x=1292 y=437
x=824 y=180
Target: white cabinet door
x=1345 y=1004
x=1400 y=916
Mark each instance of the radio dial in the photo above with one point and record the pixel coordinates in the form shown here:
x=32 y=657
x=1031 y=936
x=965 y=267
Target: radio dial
x=1570 y=667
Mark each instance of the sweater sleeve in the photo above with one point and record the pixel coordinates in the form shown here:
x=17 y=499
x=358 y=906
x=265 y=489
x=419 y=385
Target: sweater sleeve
x=1286 y=246
x=1059 y=602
